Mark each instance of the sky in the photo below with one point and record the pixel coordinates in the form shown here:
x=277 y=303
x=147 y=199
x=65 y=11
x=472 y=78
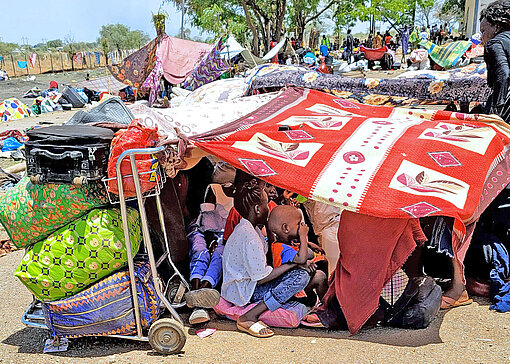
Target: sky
x=82 y=19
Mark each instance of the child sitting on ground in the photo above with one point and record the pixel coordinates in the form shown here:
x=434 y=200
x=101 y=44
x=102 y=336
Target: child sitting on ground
x=286 y=222
x=246 y=276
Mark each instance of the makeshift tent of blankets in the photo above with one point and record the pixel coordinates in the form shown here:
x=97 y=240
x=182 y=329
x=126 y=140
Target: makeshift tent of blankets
x=391 y=169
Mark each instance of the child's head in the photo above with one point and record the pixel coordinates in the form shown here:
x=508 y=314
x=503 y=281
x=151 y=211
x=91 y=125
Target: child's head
x=250 y=200
x=284 y=221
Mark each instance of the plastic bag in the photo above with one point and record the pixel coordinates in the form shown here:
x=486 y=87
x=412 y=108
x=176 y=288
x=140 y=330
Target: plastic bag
x=135 y=136
x=11 y=143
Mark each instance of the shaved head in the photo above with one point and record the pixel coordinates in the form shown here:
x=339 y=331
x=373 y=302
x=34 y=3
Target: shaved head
x=284 y=220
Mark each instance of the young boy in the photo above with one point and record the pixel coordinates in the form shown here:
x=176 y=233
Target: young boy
x=286 y=222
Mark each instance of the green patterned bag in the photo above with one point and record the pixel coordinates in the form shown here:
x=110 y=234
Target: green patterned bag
x=29 y=213
x=78 y=254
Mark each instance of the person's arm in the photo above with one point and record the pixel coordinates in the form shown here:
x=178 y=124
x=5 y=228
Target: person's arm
x=500 y=73
x=302 y=255
x=276 y=272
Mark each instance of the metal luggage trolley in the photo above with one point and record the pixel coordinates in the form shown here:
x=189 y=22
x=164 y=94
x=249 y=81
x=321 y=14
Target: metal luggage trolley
x=165 y=335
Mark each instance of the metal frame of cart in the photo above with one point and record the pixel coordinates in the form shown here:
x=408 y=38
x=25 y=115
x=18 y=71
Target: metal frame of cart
x=165 y=335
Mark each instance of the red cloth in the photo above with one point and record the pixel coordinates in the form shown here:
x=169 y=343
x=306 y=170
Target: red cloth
x=179 y=56
x=233 y=219
x=372 y=249
x=373 y=54
x=53 y=84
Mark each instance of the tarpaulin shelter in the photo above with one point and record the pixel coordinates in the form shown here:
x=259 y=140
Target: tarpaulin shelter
x=252 y=60
x=178 y=57
x=232 y=48
x=385 y=162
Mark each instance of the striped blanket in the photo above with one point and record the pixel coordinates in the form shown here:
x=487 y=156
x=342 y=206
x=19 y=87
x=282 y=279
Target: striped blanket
x=448 y=55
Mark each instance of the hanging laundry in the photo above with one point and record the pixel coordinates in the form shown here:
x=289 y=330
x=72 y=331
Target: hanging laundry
x=98 y=57
x=22 y=64
x=32 y=59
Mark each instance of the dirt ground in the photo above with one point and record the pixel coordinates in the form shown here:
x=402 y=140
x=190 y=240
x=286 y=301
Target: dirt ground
x=16 y=87
x=462 y=335
x=471 y=334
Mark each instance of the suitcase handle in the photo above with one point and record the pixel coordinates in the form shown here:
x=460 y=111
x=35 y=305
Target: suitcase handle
x=72 y=155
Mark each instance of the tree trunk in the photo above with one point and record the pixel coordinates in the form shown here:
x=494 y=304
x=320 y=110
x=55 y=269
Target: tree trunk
x=254 y=31
x=281 y=7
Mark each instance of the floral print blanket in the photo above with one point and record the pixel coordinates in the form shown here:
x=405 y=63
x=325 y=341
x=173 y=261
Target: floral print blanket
x=373 y=160
x=460 y=85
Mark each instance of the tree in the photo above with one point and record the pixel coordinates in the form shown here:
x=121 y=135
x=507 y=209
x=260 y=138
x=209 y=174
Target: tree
x=426 y=11
x=452 y=10
x=303 y=12
x=264 y=18
x=54 y=43
x=119 y=37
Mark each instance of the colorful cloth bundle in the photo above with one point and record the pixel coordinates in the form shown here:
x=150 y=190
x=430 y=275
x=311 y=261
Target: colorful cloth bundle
x=78 y=254
x=106 y=308
x=29 y=213
x=13 y=109
x=448 y=55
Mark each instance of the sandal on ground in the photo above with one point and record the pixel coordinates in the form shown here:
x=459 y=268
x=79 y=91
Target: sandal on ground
x=203 y=297
x=255 y=329
x=199 y=316
x=448 y=302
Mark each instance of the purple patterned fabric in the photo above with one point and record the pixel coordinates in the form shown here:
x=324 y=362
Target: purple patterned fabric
x=210 y=68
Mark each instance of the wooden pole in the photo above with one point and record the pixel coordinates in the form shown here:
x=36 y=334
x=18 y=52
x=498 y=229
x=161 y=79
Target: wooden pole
x=39 y=61
x=51 y=62
x=13 y=67
x=62 y=61
x=28 y=72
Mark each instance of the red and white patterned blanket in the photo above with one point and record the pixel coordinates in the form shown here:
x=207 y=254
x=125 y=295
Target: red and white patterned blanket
x=380 y=161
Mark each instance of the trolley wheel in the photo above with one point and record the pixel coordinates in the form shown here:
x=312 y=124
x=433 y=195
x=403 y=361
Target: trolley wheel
x=35 y=179
x=79 y=181
x=167 y=336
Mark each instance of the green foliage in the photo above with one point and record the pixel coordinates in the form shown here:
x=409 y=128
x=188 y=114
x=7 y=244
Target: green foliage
x=452 y=9
x=54 y=43
x=119 y=37
x=7 y=48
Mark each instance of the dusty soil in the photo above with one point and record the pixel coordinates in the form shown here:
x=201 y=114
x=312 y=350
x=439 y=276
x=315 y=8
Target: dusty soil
x=16 y=87
x=462 y=335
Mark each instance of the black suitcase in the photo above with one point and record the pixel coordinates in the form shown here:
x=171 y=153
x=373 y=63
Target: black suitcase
x=67 y=154
x=73 y=97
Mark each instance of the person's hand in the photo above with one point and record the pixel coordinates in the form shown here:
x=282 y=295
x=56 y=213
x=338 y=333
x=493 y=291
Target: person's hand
x=316 y=248
x=309 y=266
x=303 y=231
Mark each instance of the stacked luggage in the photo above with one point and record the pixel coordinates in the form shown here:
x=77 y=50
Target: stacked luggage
x=76 y=257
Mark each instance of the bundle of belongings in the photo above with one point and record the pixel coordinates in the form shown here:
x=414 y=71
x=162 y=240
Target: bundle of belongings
x=13 y=109
x=75 y=248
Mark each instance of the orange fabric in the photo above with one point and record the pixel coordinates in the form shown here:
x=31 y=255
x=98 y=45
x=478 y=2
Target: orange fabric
x=234 y=218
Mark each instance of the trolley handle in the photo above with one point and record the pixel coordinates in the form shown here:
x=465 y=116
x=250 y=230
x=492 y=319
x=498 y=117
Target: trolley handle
x=136 y=151
x=72 y=155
